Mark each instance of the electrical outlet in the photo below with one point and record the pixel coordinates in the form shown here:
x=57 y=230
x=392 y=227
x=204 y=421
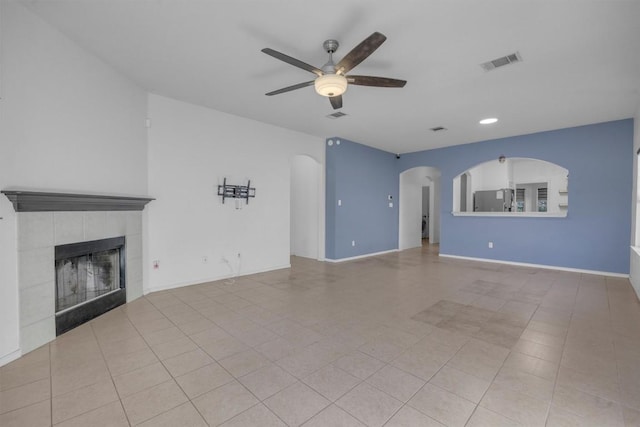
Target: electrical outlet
x=353 y=243
x=490 y=245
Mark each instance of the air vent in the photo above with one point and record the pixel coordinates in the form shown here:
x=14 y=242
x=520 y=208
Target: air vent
x=336 y=115
x=438 y=129
x=501 y=62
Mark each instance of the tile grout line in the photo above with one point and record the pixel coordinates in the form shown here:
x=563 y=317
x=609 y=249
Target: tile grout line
x=564 y=347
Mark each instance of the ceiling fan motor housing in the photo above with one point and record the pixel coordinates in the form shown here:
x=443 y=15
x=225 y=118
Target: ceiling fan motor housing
x=330 y=45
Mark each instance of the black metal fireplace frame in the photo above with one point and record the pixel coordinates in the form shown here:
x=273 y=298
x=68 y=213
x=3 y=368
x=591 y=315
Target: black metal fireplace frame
x=75 y=316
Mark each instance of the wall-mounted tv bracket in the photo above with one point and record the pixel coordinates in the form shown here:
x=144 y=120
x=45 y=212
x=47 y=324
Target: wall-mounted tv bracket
x=236 y=191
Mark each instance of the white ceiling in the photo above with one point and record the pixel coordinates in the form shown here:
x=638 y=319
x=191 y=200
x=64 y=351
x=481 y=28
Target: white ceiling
x=581 y=61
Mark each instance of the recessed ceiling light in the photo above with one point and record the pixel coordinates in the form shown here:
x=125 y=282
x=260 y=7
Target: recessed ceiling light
x=488 y=121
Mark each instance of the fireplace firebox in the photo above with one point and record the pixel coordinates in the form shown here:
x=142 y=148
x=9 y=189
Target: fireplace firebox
x=90 y=280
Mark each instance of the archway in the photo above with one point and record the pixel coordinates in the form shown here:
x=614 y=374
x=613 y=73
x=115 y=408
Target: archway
x=412 y=183
x=307 y=208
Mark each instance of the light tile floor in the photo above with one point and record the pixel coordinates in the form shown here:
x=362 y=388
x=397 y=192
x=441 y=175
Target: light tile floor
x=404 y=339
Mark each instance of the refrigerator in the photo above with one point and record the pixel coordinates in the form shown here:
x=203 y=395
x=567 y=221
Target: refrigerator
x=493 y=200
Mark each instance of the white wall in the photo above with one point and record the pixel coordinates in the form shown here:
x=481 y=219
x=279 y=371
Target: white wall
x=69 y=123
x=490 y=178
x=191 y=150
x=634 y=273
x=305 y=206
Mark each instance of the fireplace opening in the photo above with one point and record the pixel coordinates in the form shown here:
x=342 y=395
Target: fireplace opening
x=90 y=280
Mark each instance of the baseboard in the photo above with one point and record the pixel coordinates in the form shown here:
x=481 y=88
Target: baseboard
x=361 y=256
x=546 y=267
x=10 y=357
x=211 y=279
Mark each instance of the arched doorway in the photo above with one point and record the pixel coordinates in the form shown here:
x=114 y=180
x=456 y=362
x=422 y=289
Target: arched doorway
x=307 y=208
x=416 y=184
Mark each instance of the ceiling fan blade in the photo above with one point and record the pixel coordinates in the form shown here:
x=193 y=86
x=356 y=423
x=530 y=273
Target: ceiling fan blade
x=336 y=101
x=290 y=88
x=360 y=53
x=375 y=81
x=292 y=61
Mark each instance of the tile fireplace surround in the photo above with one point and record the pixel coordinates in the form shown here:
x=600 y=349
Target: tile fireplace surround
x=56 y=219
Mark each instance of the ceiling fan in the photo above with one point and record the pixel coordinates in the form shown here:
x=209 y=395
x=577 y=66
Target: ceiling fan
x=332 y=79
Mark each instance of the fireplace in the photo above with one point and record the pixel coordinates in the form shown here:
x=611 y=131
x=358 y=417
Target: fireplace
x=47 y=220
x=89 y=280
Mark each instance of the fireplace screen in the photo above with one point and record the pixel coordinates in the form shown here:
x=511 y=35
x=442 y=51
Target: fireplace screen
x=83 y=278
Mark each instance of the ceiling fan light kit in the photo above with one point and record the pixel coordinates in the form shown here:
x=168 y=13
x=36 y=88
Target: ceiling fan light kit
x=332 y=80
x=331 y=85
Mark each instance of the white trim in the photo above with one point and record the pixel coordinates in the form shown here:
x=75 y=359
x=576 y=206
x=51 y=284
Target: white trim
x=548 y=267
x=515 y=214
x=7 y=358
x=210 y=279
x=360 y=256
x=634 y=269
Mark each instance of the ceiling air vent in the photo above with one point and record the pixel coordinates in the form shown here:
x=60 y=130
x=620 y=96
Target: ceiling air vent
x=501 y=62
x=438 y=128
x=336 y=115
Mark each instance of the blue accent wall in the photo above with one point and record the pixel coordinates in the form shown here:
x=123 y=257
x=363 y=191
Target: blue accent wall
x=596 y=233
x=362 y=178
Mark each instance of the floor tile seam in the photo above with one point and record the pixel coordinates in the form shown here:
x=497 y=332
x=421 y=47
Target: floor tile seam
x=168 y=410
x=379 y=389
x=492 y=382
x=31 y=403
x=617 y=360
x=536 y=357
x=44 y=377
x=475 y=405
x=536 y=375
x=90 y=410
x=175 y=355
x=592 y=395
x=164 y=329
x=353 y=415
x=191 y=370
x=112 y=377
x=341 y=395
x=8 y=368
x=25 y=407
x=308 y=419
x=160 y=413
x=250 y=408
x=436 y=373
x=619 y=401
x=132 y=370
x=104 y=360
x=228 y=331
x=555 y=382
